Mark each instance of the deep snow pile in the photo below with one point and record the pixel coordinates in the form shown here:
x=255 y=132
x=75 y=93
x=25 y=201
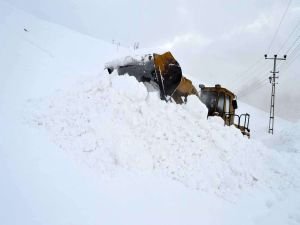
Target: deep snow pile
x=112 y=121
x=287 y=139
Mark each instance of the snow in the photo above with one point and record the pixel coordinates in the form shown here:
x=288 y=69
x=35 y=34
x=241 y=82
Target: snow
x=80 y=146
x=111 y=121
x=127 y=60
x=284 y=140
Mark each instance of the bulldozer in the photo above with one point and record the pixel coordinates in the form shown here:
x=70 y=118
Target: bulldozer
x=222 y=102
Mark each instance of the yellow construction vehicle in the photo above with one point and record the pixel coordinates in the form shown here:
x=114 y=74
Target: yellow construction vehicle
x=222 y=102
x=166 y=72
x=162 y=69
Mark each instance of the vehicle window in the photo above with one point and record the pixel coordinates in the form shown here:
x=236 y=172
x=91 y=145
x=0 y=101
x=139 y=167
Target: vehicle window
x=220 y=107
x=204 y=96
x=209 y=99
x=227 y=104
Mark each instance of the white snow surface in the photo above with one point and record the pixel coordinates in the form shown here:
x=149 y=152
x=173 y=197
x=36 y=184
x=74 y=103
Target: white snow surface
x=112 y=121
x=127 y=60
x=79 y=146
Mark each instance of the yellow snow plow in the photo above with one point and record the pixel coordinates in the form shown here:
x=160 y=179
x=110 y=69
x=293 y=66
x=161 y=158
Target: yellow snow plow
x=162 y=69
x=222 y=102
x=165 y=72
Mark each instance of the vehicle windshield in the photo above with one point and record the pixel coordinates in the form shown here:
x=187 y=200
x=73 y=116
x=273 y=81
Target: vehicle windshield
x=209 y=99
x=227 y=104
x=220 y=107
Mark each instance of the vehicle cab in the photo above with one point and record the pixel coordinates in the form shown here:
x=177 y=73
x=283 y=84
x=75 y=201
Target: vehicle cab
x=222 y=102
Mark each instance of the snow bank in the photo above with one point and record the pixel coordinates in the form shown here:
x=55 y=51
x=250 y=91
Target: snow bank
x=129 y=60
x=287 y=139
x=112 y=121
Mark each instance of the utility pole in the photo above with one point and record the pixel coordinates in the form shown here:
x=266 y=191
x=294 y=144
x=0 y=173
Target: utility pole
x=273 y=83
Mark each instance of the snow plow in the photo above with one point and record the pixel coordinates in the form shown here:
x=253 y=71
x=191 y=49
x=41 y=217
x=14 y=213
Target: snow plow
x=222 y=102
x=163 y=70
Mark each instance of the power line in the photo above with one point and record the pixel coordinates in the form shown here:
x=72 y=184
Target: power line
x=243 y=77
x=262 y=71
x=252 y=83
x=281 y=20
x=254 y=68
x=291 y=61
x=295 y=50
x=290 y=48
x=292 y=57
x=250 y=89
x=289 y=36
x=257 y=87
x=258 y=68
x=250 y=67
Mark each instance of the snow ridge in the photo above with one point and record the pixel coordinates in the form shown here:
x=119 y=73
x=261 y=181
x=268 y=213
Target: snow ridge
x=112 y=121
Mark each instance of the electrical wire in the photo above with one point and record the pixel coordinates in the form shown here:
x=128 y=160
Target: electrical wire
x=258 y=74
x=253 y=89
x=245 y=76
x=276 y=32
x=295 y=50
x=258 y=84
x=258 y=68
x=291 y=62
x=241 y=75
x=291 y=47
x=252 y=85
x=291 y=57
x=289 y=36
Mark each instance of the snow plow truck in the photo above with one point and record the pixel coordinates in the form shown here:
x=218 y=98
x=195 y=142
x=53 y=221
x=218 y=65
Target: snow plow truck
x=165 y=72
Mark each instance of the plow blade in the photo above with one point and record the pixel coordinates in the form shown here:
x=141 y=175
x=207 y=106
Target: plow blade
x=168 y=72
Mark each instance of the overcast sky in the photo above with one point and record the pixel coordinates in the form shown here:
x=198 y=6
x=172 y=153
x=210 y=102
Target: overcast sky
x=214 y=41
x=155 y=22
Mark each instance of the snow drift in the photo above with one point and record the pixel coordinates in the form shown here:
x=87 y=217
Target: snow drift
x=112 y=121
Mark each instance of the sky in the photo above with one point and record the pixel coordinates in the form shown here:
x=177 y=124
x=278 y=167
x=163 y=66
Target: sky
x=216 y=41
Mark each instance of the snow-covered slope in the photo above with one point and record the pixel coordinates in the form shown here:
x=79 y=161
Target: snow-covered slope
x=114 y=122
x=46 y=53
x=79 y=146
